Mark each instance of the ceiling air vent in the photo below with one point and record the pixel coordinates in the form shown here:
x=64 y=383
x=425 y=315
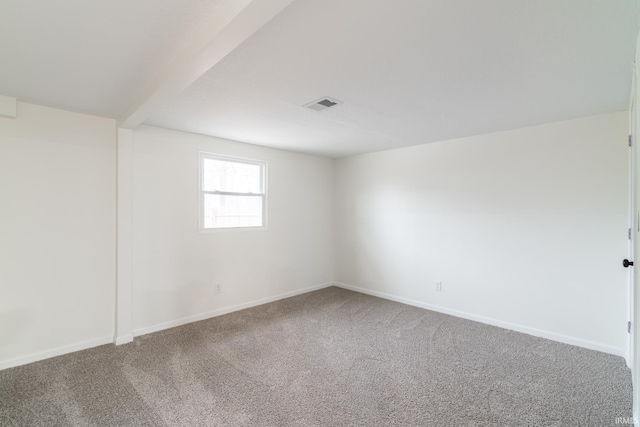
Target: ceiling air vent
x=322 y=103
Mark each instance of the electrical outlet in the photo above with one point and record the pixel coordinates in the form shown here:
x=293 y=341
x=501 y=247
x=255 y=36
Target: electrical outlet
x=439 y=286
x=218 y=288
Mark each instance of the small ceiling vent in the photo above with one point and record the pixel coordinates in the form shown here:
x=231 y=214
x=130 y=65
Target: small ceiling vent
x=322 y=103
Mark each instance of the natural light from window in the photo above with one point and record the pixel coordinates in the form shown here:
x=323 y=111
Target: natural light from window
x=232 y=192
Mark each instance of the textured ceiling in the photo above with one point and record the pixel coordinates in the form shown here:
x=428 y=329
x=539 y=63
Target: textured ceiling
x=408 y=72
x=412 y=72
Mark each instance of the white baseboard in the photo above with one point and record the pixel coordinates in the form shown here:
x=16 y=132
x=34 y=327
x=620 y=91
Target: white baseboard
x=490 y=321
x=225 y=310
x=59 y=351
x=219 y=312
x=123 y=339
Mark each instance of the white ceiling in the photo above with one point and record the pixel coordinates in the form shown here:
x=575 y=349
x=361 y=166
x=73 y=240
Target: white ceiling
x=409 y=71
x=91 y=56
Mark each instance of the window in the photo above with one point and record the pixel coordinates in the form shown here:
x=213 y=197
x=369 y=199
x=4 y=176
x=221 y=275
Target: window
x=232 y=192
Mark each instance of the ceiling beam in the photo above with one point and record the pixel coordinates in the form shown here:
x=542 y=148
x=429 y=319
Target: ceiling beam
x=235 y=22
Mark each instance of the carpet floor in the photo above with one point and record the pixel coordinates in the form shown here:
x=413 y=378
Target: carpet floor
x=326 y=358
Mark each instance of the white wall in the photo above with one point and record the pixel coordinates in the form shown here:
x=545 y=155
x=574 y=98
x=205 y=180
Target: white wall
x=176 y=267
x=57 y=233
x=525 y=228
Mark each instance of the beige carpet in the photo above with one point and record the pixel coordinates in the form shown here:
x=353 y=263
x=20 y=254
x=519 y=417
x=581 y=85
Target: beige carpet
x=327 y=358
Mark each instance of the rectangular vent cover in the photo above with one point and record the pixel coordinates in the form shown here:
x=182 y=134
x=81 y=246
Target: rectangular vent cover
x=322 y=103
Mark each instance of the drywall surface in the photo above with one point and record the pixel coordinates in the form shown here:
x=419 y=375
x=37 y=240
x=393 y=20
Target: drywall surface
x=57 y=233
x=176 y=267
x=525 y=228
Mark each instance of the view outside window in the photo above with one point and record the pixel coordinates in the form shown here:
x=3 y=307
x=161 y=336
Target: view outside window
x=232 y=192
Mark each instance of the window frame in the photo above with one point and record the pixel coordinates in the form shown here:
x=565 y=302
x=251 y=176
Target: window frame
x=202 y=156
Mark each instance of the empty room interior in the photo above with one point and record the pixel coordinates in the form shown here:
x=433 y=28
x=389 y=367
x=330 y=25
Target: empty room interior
x=322 y=213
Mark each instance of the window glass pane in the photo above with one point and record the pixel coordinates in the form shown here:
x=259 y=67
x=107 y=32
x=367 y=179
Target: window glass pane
x=231 y=177
x=232 y=211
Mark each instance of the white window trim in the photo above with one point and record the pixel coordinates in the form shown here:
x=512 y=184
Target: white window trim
x=201 y=192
